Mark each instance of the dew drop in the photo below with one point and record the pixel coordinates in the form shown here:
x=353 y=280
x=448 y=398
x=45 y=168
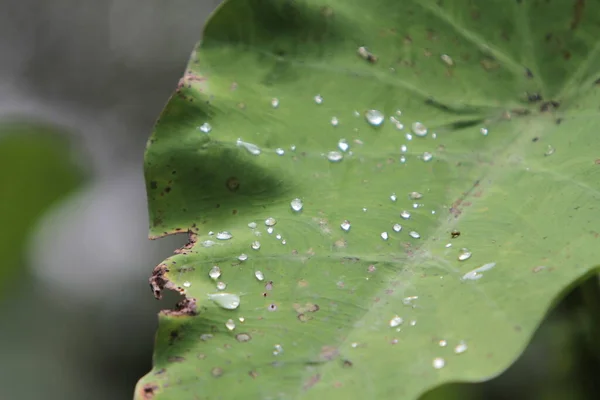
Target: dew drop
x=415 y=195
x=250 y=147
x=408 y=136
x=296 y=204
x=408 y=301
x=270 y=230
x=259 y=275
x=241 y=319
x=397 y=227
x=460 y=348
x=228 y=301
x=187 y=284
x=393 y=197
x=414 y=235
x=215 y=272
x=293 y=147
x=343 y=145
x=252 y=225
x=283 y=241
x=345 y=225
x=230 y=324
x=477 y=272
x=319 y=99
x=396 y=321
x=205 y=127
x=255 y=245
x=405 y=214
x=413 y=323
x=447 y=59
x=224 y=235
x=419 y=129
x=334 y=156
x=270 y=221
x=464 y=254
x=277 y=349
x=399 y=125
x=243 y=257
x=243 y=337
x=443 y=343
x=438 y=363
x=427 y=156
x=221 y=285
x=207 y=243
x=403 y=148
x=483 y=131
x=334 y=121
x=279 y=151
x=275 y=102
x=550 y=151
x=384 y=235
x=278 y=236
x=374 y=117
x=402 y=159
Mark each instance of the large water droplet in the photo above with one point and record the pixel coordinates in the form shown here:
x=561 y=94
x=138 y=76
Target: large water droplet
x=393 y=197
x=255 y=245
x=259 y=275
x=405 y=214
x=205 y=127
x=243 y=257
x=419 y=129
x=221 y=285
x=230 y=324
x=229 y=301
x=215 y=272
x=477 y=272
x=252 y=225
x=343 y=145
x=443 y=343
x=414 y=235
x=296 y=204
x=319 y=99
x=374 y=117
x=438 y=363
x=187 y=284
x=250 y=147
x=334 y=156
x=334 y=121
x=427 y=156
x=275 y=102
x=384 y=235
x=460 y=348
x=345 y=225
x=464 y=254
x=224 y=235
x=270 y=230
x=270 y=221
x=397 y=227
x=396 y=321
x=403 y=148
x=483 y=131
x=279 y=151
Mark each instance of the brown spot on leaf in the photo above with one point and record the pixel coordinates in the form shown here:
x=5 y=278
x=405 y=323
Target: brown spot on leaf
x=216 y=372
x=233 y=184
x=312 y=381
x=577 y=13
x=148 y=391
x=328 y=353
x=176 y=359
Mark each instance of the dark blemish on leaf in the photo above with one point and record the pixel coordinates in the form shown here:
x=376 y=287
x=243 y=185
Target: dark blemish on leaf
x=328 y=353
x=364 y=53
x=577 y=13
x=233 y=184
x=558 y=121
x=186 y=307
x=160 y=371
x=217 y=206
x=153 y=185
x=234 y=212
x=489 y=64
x=272 y=307
x=528 y=73
x=265 y=294
x=535 y=139
x=176 y=359
x=167 y=189
x=534 y=97
x=304 y=317
x=347 y=364
x=312 y=381
x=566 y=55
x=173 y=336
x=597 y=162
x=216 y=372
x=269 y=285
x=454 y=234
x=149 y=390
x=549 y=106
x=173 y=172
x=253 y=374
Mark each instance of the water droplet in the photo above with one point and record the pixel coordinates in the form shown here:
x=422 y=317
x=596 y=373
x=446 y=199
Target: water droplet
x=343 y=145
x=277 y=349
x=396 y=321
x=270 y=230
x=224 y=235
x=345 y=225
x=434 y=135
x=229 y=301
x=221 y=285
x=427 y=156
x=484 y=131
x=293 y=147
x=207 y=243
x=252 y=148
x=477 y=272
x=443 y=343
x=405 y=214
x=415 y=195
x=259 y=275
x=275 y=102
x=374 y=117
x=402 y=159
x=187 y=284
x=393 y=197
x=252 y=225
x=255 y=245
x=408 y=136
x=397 y=227
x=296 y=204
x=399 y=125
x=230 y=324
x=448 y=245
x=278 y=236
x=318 y=99
x=414 y=235
x=413 y=322
x=334 y=156
x=241 y=319
x=438 y=363
x=384 y=235
x=243 y=337
x=550 y=151
x=206 y=336
x=243 y=257
x=460 y=348
x=464 y=254
x=334 y=121
x=279 y=151
x=270 y=221
x=215 y=272
x=205 y=127
x=447 y=59
x=283 y=241
x=419 y=129
x=408 y=301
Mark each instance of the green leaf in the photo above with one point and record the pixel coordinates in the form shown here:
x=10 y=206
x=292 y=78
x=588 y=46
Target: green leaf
x=36 y=172
x=508 y=92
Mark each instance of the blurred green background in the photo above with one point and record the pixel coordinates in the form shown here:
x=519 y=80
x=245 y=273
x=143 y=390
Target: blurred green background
x=81 y=83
